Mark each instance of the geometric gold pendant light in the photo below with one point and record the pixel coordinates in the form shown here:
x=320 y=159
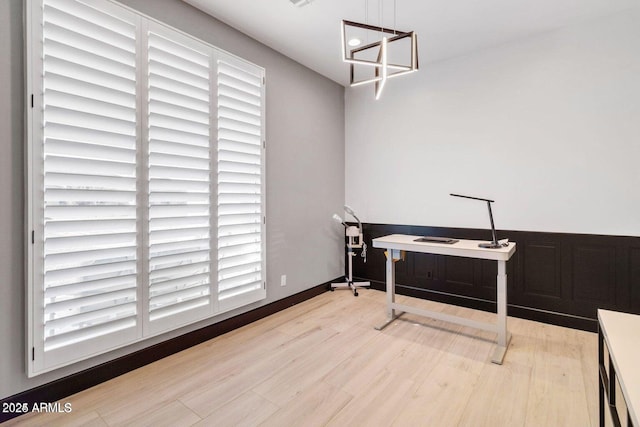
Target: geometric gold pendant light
x=393 y=53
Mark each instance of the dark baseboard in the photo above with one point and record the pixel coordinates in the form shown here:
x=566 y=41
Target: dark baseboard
x=550 y=317
x=553 y=318
x=64 y=387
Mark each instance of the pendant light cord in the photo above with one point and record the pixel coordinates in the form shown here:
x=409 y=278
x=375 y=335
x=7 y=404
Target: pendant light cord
x=366 y=12
x=394 y=17
x=381 y=16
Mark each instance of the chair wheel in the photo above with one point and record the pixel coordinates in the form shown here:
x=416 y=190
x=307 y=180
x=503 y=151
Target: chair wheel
x=355 y=294
x=331 y=289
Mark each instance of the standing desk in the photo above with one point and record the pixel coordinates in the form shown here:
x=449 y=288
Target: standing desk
x=463 y=248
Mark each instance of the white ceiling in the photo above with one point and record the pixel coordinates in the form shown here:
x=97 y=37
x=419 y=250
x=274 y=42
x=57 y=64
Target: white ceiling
x=445 y=28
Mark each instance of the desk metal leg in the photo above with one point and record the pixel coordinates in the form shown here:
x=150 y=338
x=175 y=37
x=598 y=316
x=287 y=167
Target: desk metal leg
x=391 y=292
x=504 y=337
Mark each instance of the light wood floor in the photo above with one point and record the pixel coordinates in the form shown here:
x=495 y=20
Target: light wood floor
x=322 y=363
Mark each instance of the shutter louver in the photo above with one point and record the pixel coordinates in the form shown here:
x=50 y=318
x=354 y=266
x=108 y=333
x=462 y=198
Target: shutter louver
x=240 y=135
x=179 y=179
x=145 y=188
x=89 y=165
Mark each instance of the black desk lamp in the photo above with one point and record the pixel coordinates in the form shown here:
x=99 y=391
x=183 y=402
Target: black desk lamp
x=494 y=244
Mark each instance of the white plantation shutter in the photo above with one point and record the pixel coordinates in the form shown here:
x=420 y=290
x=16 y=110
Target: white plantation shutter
x=179 y=179
x=145 y=180
x=240 y=183
x=89 y=234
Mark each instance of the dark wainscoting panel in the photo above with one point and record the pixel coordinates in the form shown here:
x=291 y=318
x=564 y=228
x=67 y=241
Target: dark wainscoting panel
x=541 y=270
x=593 y=269
x=634 y=275
x=556 y=278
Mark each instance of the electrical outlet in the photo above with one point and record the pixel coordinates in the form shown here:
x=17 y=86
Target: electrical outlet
x=283 y=280
x=429 y=275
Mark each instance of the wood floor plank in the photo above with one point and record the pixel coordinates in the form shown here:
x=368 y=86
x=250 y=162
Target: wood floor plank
x=248 y=409
x=172 y=414
x=315 y=406
x=557 y=392
x=236 y=377
x=505 y=396
x=357 y=371
x=175 y=378
x=377 y=405
x=358 y=314
x=588 y=348
x=439 y=400
x=322 y=363
x=72 y=419
x=301 y=373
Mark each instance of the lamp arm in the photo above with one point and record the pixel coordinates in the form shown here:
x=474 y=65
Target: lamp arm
x=359 y=223
x=350 y=211
x=493 y=228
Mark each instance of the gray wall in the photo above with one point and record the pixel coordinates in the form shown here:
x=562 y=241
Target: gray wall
x=548 y=126
x=305 y=176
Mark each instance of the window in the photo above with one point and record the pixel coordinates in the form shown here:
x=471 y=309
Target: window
x=145 y=180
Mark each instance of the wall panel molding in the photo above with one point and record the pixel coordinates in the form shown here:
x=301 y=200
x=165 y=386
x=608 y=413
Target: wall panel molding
x=594 y=273
x=541 y=276
x=633 y=255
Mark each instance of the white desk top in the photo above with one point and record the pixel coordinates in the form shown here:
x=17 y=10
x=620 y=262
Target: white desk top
x=620 y=331
x=463 y=248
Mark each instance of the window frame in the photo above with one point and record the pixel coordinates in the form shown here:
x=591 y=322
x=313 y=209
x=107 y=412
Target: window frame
x=38 y=361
